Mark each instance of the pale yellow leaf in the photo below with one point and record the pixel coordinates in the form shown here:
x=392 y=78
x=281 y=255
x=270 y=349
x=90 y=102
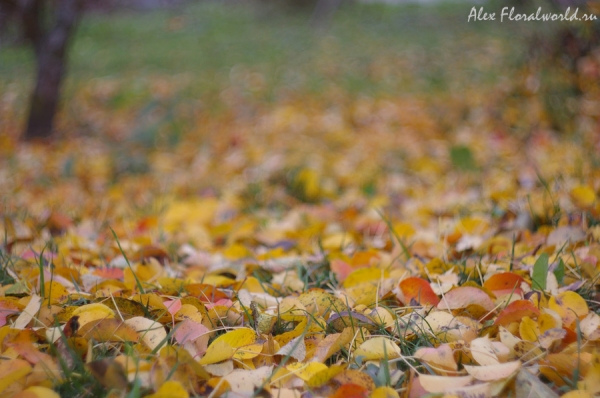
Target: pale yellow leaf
x=493 y=372
x=378 y=348
x=440 y=384
x=28 y=313
x=152 y=332
x=482 y=350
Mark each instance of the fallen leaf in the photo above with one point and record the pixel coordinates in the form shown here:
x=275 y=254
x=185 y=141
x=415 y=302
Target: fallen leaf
x=462 y=297
x=504 y=283
x=305 y=371
x=515 y=311
x=483 y=351
x=417 y=290
x=108 y=329
x=170 y=389
x=493 y=372
x=296 y=349
x=377 y=348
x=152 y=333
x=350 y=390
x=37 y=392
x=227 y=345
x=384 y=392
x=28 y=312
x=569 y=306
x=441 y=357
x=528 y=385
x=439 y=384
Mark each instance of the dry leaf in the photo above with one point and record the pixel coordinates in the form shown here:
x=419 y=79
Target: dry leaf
x=493 y=372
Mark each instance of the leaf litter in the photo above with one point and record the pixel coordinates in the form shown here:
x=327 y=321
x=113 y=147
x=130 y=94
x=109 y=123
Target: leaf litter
x=310 y=250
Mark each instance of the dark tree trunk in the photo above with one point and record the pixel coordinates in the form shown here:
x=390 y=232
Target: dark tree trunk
x=51 y=55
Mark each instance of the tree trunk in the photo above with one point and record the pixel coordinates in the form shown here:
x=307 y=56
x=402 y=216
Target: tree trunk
x=51 y=56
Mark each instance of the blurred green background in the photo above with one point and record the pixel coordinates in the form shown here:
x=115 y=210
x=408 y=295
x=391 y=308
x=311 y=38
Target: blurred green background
x=220 y=55
x=370 y=49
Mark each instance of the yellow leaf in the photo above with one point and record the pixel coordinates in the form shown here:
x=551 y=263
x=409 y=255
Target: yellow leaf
x=92 y=312
x=189 y=212
x=37 y=391
x=569 y=305
x=263 y=322
x=378 y=348
x=12 y=371
x=333 y=343
x=337 y=241
x=55 y=292
x=363 y=293
x=383 y=317
x=150 y=300
x=226 y=346
x=322 y=377
x=234 y=252
x=384 y=392
x=363 y=275
x=306 y=370
x=355 y=377
x=248 y=351
x=583 y=196
x=547 y=322
x=320 y=303
x=404 y=230
x=591 y=381
x=188 y=311
x=577 y=394
x=170 y=389
x=529 y=329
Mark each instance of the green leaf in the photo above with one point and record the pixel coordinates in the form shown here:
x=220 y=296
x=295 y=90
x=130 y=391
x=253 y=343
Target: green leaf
x=540 y=272
x=559 y=272
x=462 y=158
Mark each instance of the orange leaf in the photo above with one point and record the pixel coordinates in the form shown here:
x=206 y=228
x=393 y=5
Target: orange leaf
x=110 y=273
x=341 y=269
x=350 y=390
x=419 y=290
x=205 y=293
x=108 y=329
x=515 y=311
x=504 y=283
x=7 y=308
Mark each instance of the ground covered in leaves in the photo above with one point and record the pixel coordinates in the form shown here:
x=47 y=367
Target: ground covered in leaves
x=333 y=245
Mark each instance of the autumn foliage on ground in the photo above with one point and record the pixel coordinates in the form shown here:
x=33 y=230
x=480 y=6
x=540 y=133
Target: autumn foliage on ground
x=334 y=245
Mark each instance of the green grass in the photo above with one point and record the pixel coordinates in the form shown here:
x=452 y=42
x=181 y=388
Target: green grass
x=368 y=49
